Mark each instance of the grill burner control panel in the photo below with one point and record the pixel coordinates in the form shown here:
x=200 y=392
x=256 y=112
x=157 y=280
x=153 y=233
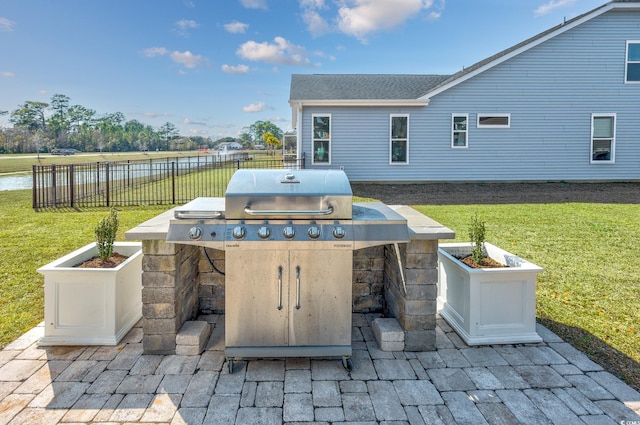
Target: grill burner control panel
x=240 y=233
x=287 y=231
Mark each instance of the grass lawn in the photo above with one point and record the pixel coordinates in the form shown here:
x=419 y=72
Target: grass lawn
x=588 y=292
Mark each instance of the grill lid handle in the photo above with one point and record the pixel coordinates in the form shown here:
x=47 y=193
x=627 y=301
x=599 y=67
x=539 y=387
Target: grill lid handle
x=197 y=215
x=249 y=211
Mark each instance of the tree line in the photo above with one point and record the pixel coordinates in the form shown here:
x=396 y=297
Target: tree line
x=42 y=127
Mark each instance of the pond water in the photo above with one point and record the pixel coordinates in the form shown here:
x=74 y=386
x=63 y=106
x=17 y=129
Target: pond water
x=18 y=181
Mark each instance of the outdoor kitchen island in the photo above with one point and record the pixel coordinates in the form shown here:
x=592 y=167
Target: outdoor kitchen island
x=184 y=280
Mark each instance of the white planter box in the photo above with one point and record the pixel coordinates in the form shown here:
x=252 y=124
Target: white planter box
x=488 y=305
x=92 y=306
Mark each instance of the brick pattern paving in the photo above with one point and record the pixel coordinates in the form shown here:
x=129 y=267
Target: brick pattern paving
x=547 y=383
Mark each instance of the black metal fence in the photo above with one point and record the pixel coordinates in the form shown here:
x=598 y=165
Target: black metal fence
x=148 y=182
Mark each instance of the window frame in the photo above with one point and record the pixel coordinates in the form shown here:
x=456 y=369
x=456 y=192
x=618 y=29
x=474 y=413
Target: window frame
x=496 y=115
x=612 y=139
x=320 y=139
x=454 y=131
x=627 y=62
x=398 y=139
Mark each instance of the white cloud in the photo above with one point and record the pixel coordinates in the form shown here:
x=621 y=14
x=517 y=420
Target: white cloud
x=236 y=27
x=186 y=24
x=6 y=24
x=434 y=16
x=254 y=107
x=280 y=52
x=187 y=121
x=313 y=4
x=552 y=5
x=7 y=74
x=186 y=58
x=254 y=4
x=316 y=24
x=183 y=25
x=154 y=51
x=237 y=69
x=362 y=17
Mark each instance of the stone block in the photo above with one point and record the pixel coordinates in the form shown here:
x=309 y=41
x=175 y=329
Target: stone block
x=158 y=295
x=420 y=261
x=159 y=247
x=421 y=276
x=387 y=329
x=360 y=289
x=422 y=247
x=159 y=344
x=155 y=279
x=188 y=350
x=367 y=303
x=160 y=326
x=420 y=340
x=158 y=311
x=193 y=337
x=159 y=263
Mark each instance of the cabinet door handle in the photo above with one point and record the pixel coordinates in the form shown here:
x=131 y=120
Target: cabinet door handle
x=279 y=287
x=298 y=288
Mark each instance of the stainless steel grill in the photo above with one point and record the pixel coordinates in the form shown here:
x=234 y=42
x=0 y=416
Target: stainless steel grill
x=289 y=237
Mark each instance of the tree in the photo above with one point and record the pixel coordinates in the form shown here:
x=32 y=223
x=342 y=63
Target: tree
x=167 y=132
x=258 y=128
x=59 y=121
x=271 y=141
x=30 y=115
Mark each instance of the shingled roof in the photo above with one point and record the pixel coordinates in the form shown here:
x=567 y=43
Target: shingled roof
x=361 y=86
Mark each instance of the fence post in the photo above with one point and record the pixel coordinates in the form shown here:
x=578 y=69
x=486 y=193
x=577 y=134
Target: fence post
x=173 y=182
x=53 y=185
x=108 y=182
x=34 y=189
x=72 y=186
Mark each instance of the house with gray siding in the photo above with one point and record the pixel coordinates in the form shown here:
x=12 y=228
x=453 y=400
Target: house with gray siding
x=562 y=105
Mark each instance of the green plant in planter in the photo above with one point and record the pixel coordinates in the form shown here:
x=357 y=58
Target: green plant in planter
x=106 y=235
x=477 y=235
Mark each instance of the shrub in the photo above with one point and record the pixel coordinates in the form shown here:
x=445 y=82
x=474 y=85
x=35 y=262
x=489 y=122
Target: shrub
x=106 y=235
x=477 y=236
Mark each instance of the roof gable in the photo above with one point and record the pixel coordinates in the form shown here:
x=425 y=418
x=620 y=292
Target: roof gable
x=506 y=54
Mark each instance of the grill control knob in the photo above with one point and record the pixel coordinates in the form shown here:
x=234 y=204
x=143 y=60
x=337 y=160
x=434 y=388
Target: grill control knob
x=239 y=232
x=338 y=232
x=195 y=233
x=289 y=232
x=264 y=232
x=314 y=232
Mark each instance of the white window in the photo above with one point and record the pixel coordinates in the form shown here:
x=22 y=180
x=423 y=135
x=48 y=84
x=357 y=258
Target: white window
x=494 y=120
x=632 y=63
x=399 y=140
x=321 y=125
x=459 y=128
x=603 y=138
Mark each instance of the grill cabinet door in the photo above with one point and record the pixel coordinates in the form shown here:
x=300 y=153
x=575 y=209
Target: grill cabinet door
x=316 y=298
x=252 y=298
x=321 y=281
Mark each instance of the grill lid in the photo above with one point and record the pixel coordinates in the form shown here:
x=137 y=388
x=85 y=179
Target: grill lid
x=296 y=194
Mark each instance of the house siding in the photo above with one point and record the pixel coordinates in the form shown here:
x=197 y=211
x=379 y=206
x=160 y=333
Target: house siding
x=550 y=92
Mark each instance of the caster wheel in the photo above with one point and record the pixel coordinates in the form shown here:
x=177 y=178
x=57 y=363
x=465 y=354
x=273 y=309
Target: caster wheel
x=347 y=363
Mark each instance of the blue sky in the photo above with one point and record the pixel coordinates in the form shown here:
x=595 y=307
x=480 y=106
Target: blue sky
x=213 y=67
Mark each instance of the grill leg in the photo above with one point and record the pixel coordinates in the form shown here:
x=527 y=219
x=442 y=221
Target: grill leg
x=230 y=364
x=347 y=363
